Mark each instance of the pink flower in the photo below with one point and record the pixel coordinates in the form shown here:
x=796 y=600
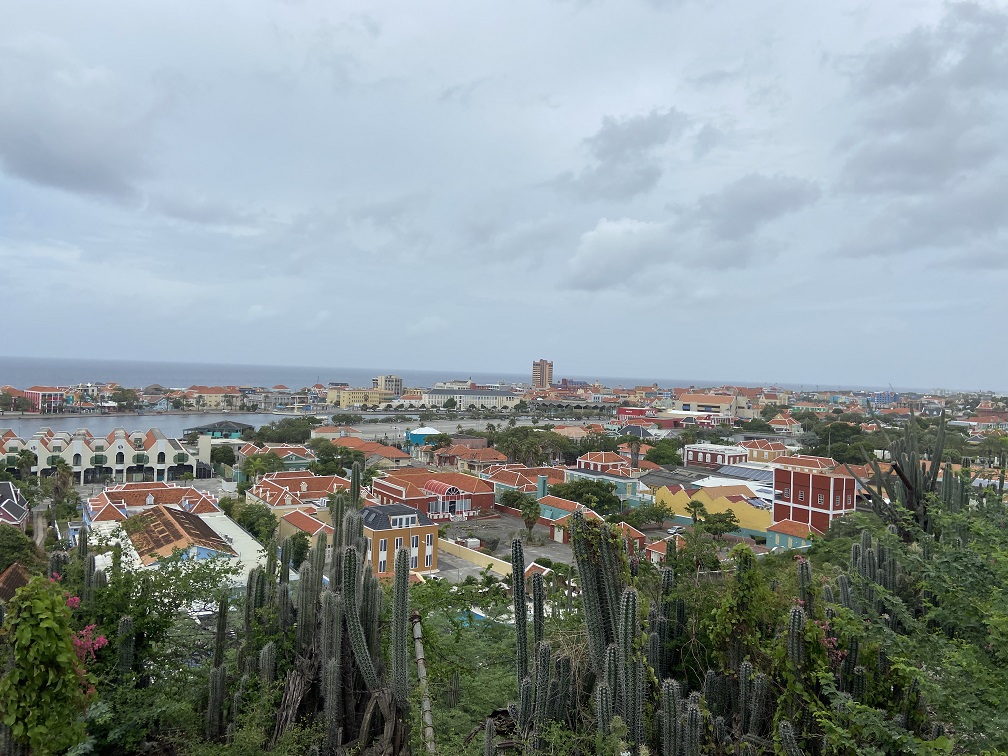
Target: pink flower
x=73 y=601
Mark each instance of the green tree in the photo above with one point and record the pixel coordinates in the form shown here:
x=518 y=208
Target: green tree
x=664 y=452
x=15 y=546
x=260 y=464
x=222 y=455
x=718 y=524
x=525 y=504
x=61 y=479
x=347 y=418
x=299 y=546
x=594 y=494
x=450 y=403
x=258 y=519
x=42 y=693
x=439 y=441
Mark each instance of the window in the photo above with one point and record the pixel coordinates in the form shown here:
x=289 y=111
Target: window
x=381 y=565
x=415 y=542
x=720 y=458
x=427 y=559
x=801 y=496
x=836 y=500
x=848 y=500
x=821 y=497
x=430 y=540
x=383 y=545
x=413 y=562
x=787 y=493
x=398 y=544
x=690 y=455
x=708 y=458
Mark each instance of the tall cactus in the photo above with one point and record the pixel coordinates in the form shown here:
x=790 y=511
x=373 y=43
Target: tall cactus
x=694 y=725
x=307 y=599
x=796 y=637
x=538 y=608
x=87 y=589
x=520 y=607
x=604 y=707
x=757 y=716
x=332 y=691
x=543 y=671
x=215 y=703
x=267 y=663
x=788 y=740
x=355 y=485
x=401 y=628
x=358 y=642
x=671 y=705
x=805 y=585
x=126 y=642
x=220 y=632
x=489 y=734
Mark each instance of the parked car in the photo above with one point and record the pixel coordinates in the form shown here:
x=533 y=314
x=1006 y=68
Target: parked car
x=675 y=530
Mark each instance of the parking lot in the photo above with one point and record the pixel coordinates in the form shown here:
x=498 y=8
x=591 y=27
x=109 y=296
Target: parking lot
x=506 y=529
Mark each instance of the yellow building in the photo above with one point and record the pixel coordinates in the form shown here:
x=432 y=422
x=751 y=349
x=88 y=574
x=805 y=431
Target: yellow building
x=718 y=499
x=355 y=397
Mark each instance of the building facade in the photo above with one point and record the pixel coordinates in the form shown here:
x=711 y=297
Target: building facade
x=713 y=455
x=390 y=527
x=542 y=374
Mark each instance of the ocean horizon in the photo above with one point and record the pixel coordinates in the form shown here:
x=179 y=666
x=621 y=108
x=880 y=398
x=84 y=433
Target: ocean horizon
x=22 y=372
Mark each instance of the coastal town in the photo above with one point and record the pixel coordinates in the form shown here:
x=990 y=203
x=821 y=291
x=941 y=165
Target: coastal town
x=766 y=467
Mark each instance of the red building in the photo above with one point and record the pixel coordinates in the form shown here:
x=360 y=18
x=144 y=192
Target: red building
x=440 y=496
x=812 y=498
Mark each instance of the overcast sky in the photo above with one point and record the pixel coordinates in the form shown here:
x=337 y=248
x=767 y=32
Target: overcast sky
x=768 y=191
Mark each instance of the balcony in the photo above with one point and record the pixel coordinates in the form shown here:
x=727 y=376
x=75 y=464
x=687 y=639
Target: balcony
x=181 y=458
x=51 y=461
x=99 y=460
x=140 y=459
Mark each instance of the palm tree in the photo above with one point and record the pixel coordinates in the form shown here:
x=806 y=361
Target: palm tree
x=696 y=510
x=26 y=460
x=62 y=479
x=634 y=443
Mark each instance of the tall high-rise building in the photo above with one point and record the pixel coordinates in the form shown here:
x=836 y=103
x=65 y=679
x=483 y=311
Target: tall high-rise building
x=542 y=373
x=391 y=383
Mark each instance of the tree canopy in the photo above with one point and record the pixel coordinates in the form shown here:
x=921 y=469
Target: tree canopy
x=598 y=495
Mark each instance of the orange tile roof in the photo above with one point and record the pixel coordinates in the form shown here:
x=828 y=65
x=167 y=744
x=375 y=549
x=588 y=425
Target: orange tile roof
x=792 y=528
x=306 y=523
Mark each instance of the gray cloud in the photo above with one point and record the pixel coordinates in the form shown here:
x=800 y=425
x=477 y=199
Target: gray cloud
x=69 y=125
x=624 y=161
x=745 y=205
x=928 y=142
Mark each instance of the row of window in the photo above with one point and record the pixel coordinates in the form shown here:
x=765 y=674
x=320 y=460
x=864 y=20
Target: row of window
x=414 y=544
x=837 y=499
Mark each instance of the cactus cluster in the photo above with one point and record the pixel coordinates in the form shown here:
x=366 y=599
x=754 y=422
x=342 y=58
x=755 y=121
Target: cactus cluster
x=319 y=642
